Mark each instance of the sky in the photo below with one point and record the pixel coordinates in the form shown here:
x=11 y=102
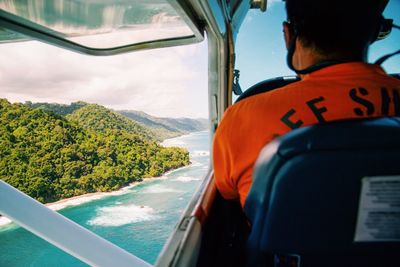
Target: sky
x=168 y=82
x=261 y=52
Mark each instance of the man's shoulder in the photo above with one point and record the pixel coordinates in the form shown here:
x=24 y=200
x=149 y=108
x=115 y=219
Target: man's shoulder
x=260 y=99
x=259 y=105
x=395 y=78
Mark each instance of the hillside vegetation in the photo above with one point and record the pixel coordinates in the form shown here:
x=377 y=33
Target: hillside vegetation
x=51 y=157
x=60 y=109
x=101 y=119
x=144 y=124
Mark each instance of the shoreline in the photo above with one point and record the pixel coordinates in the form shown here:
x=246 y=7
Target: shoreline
x=76 y=201
x=89 y=197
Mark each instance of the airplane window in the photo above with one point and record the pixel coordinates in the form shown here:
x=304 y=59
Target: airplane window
x=261 y=52
x=103 y=24
x=391 y=43
x=117 y=144
x=260 y=46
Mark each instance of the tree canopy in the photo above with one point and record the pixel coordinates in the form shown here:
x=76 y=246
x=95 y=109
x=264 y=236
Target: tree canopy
x=51 y=157
x=158 y=128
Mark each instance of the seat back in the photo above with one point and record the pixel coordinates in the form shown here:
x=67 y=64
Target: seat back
x=328 y=195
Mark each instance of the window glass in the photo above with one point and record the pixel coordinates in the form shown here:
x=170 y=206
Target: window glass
x=260 y=46
x=103 y=24
x=261 y=51
x=391 y=43
x=98 y=136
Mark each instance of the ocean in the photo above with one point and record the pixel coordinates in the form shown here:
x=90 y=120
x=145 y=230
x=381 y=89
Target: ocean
x=139 y=219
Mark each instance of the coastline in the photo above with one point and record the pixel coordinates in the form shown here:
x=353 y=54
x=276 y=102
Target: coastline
x=89 y=197
x=77 y=200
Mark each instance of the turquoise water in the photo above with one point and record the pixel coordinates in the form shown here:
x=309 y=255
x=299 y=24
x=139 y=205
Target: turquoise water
x=139 y=219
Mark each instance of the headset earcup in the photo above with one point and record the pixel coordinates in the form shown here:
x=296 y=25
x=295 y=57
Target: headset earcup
x=384 y=29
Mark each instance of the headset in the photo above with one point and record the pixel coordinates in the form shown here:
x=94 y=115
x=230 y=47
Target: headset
x=384 y=30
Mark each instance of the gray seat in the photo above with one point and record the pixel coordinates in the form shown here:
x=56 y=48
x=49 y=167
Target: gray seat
x=304 y=203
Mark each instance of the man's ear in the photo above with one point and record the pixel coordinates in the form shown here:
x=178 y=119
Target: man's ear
x=287 y=33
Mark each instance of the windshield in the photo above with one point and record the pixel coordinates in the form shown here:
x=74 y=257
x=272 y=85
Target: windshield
x=261 y=51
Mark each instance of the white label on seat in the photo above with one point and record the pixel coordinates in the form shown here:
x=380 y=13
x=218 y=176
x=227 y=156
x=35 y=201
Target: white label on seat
x=379 y=210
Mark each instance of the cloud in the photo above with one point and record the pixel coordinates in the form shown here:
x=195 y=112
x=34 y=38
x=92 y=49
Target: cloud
x=162 y=82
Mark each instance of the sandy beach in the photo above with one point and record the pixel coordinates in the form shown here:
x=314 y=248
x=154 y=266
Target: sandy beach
x=79 y=200
x=85 y=198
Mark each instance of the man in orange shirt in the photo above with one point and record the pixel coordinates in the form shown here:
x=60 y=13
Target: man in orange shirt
x=327 y=45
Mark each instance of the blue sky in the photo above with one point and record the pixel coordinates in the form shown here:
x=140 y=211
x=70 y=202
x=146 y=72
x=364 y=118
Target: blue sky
x=261 y=52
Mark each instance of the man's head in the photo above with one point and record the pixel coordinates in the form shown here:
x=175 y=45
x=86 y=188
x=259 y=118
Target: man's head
x=333 y=29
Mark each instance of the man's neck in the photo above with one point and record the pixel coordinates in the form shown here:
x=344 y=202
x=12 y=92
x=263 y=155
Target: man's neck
x=305 y=57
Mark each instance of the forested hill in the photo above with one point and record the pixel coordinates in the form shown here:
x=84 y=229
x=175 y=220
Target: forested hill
x=49 y=157
x=156 y=128
x=60 y=109
x=100 y=119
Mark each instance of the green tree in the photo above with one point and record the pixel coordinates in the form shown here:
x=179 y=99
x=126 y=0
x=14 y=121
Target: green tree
x=51 y=157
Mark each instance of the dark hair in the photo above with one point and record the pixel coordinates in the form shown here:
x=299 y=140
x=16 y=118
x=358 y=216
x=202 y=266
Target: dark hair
x=336 y=28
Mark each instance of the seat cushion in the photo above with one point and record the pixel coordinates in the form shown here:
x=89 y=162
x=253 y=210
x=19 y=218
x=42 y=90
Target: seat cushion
x=306 y=188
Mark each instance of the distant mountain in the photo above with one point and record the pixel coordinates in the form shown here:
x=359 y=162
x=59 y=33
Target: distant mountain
x=187 y=125
x=169 y=127
x=99 y=118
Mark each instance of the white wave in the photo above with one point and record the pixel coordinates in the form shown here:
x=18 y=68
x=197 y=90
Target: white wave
x=126 y=188
x=176 y=141
x=122 y=215
x=71 y=202
x=157 y=189
x=176 y=170
x=151 y=179
x=201 y=153
x=195 y=164
x=186 y=179
x=75 y=201
x=191 y=165
x=79 y=200
x=4 y=221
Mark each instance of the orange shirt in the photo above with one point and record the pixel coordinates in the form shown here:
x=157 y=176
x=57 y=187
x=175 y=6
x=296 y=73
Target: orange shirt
x=344 y=91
